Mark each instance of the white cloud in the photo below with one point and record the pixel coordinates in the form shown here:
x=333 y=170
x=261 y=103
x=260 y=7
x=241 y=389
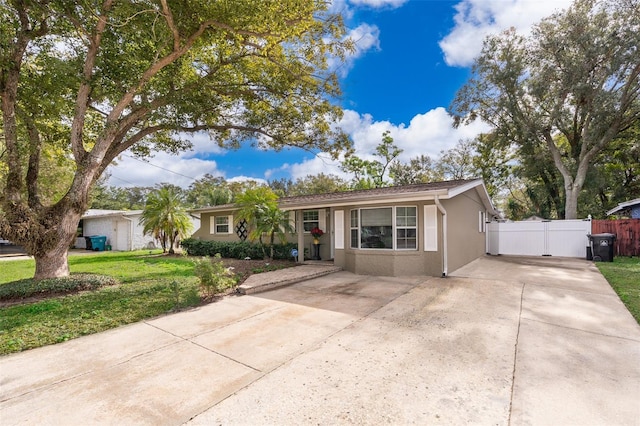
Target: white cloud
x=247 y=179
x=365 y=37
x=179 y=170
x=475 y=19
x=428 y=134
x=202 y=144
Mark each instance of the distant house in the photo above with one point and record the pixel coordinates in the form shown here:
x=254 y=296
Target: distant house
x=629 y=209
x=121 y=227
x=423 y=229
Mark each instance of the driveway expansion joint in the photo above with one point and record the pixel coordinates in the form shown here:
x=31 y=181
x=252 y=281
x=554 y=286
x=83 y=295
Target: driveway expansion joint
x=581 y=330
x=515 y=353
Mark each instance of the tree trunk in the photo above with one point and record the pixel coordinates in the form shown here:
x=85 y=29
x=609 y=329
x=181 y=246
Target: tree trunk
x=51 y=258
x=571 y=202
x=52 y=263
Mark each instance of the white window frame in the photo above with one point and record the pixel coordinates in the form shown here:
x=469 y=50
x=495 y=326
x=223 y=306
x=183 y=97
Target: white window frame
x=320 y=223
x=354 y=228
x=214 y=226
x=313 y=221
x=394 y=229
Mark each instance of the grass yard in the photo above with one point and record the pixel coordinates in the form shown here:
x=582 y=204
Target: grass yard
x=148 y=284
x=624 y=276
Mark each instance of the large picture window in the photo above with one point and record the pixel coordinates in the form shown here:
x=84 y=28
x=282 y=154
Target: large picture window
x=385 y=228
x=376 y=228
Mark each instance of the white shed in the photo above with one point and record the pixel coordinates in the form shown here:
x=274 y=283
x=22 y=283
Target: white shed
x=121 y=227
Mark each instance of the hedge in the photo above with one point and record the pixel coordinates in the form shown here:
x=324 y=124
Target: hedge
x=236 y=249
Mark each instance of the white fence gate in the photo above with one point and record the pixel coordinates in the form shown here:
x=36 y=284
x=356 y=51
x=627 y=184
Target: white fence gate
x=567 y=238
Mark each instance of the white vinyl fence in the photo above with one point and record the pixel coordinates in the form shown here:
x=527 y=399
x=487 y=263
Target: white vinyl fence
x=567 y=238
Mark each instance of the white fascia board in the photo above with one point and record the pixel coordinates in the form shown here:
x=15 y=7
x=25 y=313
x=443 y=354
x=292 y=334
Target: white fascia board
x=621 y=206
x=482 y=192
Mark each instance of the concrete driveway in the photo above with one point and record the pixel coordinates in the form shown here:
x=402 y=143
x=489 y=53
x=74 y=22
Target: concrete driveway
x=504 y=340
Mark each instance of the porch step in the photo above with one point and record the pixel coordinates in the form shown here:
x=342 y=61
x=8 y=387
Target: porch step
x=269 y=280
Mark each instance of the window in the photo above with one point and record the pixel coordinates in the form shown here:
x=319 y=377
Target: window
x=221 y=224
x=354 y=229
x=376 y=228
x=310 y=220
x=391 y=228
x=406 y=228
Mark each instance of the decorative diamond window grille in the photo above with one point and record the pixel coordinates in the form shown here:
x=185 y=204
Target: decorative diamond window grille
x=241 y=230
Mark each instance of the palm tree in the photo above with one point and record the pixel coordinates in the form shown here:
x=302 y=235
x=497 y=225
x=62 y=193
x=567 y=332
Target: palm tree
x=272 y=221
x=164 y=217
x=259 y=208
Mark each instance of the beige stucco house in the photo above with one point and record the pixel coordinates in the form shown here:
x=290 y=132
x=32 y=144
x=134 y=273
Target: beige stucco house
x=423 y=229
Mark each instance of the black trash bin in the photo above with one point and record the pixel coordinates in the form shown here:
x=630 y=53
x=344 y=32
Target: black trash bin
x=88 y=243
x=602 y=247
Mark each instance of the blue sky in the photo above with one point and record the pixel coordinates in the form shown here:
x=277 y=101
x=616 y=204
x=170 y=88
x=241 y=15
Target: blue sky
x=411 y=58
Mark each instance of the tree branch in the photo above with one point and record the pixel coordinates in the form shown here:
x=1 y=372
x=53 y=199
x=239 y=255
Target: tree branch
x=84 y=91
x=35 y=151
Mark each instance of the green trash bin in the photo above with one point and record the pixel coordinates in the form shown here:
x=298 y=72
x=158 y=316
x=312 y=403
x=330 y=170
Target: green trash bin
x=98 y=242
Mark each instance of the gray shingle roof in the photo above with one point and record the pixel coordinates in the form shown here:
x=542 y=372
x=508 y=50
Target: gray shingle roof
x=375 y=192
x=425 y=189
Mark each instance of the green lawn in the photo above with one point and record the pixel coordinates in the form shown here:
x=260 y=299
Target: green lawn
x=150 y=285
x=624 y=276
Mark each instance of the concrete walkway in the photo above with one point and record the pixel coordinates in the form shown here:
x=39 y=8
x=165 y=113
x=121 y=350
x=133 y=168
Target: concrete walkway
x=501 y=341
x=257 y=283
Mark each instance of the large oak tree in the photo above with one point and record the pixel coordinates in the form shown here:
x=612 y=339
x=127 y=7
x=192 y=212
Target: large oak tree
x=568 y=89
x=96 y=78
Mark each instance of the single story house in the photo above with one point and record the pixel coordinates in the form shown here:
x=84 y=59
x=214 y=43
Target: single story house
x=629 y=209
x=121 y=227
x=422 y=229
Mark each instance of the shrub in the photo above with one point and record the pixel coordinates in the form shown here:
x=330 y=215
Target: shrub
x=214 y=277
x=76 y=282
x=234 y=250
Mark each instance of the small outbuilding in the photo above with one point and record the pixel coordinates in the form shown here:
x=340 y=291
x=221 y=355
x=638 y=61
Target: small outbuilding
x=121 y=227
x=422 y=229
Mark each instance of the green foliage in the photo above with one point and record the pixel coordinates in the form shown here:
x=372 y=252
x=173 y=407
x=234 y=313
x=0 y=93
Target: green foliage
x=145 y=291
x=624 y=276
x=76 y=282
x=259 y=208
x=165 y=218
x=116 y=198
x=82 y=83
x=235 y=250
x=208 y=191
x=369 y=174
x=566 y=91
x=421 y=169
x=308 y=185
x=213 y=275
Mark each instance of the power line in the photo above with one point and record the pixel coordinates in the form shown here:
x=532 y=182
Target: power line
x=159 y=167
x=126 y=181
